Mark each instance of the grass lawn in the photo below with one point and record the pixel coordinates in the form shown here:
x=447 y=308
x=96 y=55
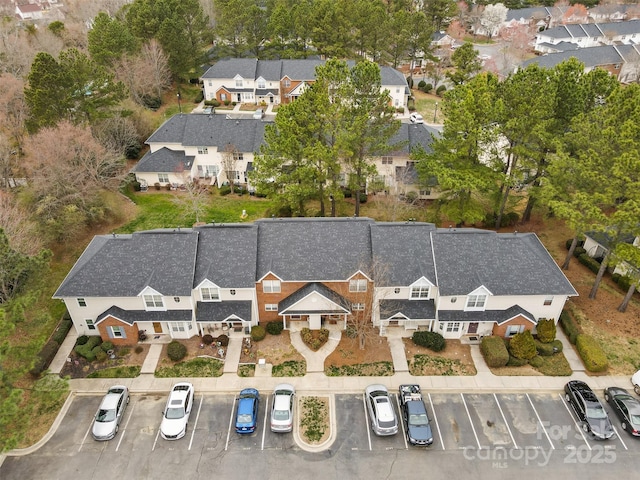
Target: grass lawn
x=426 y=106
x=198 y=367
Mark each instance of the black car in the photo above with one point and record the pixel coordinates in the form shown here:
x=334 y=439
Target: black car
x=626 y=407
x=589 y=410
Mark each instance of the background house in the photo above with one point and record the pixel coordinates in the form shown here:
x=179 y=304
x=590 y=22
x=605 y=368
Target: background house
x=463 y=283
x=248 y=80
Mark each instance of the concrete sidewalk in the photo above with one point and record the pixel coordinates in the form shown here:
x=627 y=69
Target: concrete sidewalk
x=316 y=381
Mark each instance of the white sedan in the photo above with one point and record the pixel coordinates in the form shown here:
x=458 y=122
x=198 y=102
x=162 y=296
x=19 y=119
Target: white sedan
x=416 y=118
x=635 y=380
x=176 y=413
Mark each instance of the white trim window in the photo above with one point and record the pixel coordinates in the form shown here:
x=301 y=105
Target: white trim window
x=203 y=150
x=177 y=326
x=238 y=82
x=514 y=329
x=476 y=302
x=163 y=178
x=261 y=83
x=548 y=301
x=271 y=307
x=357 y=306
x=210 y=294
x=419 y=292
x=82 y=302
x=238 y=156
x=116 y=332
x=271 y=286
x=453 y=327
x=153 y=302
x=90 y=324
x=358 y=285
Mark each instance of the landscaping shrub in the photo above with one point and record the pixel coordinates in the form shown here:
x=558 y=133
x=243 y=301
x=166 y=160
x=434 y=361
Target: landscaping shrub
x=557 y=346
x=516 y=362
x=45 y=357
x=544 y=349
x=510 y=219
x=622 y=281
x=570 y=328
x=589 y=262
x=106 y=346
x=494 y=351
x=258 y=333
x=275 y=328
x=207 y=339
x=431 y=340
x=537 y=361
x=198 y=97
x=314 y=339
x=100 y=354
x=224 y=190
x=151 y=102
x=427 y=88
x=523 y=346
x=422 y=84
x=82 y=339
x=223 y=340
x=176 y=351
x=139 y=349
x=86 y=349
x=546 y=330
x=61 y=332
x=440 y=90
x=593 y=357
x=579 y=251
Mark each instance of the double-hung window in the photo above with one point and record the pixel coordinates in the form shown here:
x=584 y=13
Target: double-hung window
x=153 y=302
x=210 y=294
x=420 y=291
x=359 y=285
x=476 y=301
x=271 y=286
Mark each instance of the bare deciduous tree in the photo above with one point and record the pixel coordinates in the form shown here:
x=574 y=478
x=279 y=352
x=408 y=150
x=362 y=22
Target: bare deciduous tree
x=118 y=134
x=67 y=170
x=13 y=109
x=229 y=160
x=146 y=74
x=20 y=230
x=195 y=195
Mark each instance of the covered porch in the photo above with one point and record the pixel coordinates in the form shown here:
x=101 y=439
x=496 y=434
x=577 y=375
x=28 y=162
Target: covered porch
x=217 y=318
x=316 y=306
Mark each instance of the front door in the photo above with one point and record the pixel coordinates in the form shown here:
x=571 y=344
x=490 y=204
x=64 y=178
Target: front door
x=473 y=327
x=157 y=327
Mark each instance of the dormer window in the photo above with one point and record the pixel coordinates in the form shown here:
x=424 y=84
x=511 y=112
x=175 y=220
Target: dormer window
x=420 y=291
x=271 y=286
x=153 y=302
x=239 y=82
x=262 y=83
x=210 y=294
x=359 y=285
x=476 y=301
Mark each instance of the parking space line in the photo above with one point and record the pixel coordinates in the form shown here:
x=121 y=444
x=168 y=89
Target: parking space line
x=513 y=440
x=233 y=407
x=471 y=422
x=366 y=418
x=433 y=410
x=156 y=439
x=619 y=437
x=571 y=414
x=195 y=423
x=401 y=421
x=540 y=422
x=84 y=439
x=264 y=424
x=126 y=424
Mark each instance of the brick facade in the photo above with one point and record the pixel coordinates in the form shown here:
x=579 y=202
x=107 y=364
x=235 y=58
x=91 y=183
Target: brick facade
x=130 y=331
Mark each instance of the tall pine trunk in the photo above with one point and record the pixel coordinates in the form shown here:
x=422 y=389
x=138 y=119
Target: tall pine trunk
x=603 y=268
x=625 y=302
x=572 y=248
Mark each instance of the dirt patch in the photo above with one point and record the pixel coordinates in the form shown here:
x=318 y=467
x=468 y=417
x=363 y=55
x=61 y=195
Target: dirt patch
x=315 y=427
x=275 y=349
x=455 y=359
x=79 y=367
x=348 y=351
x=195 y=348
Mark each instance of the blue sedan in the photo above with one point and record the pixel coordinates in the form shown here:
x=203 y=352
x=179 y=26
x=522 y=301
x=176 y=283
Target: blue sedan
x=247 y=415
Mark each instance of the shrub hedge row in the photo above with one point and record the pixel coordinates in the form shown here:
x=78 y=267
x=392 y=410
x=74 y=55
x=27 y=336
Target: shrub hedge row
x=589 y=262
x=275 y=327
x=570 y=327
x=431 y=340
x=44 y=357
x=548 y=349
x=90 y=349
x=592 y=355
x=494 y=351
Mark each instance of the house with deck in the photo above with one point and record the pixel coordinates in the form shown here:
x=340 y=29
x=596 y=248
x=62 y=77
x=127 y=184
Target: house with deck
x=312 y=272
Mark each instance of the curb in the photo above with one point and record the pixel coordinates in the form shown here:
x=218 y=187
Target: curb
x=320 y=447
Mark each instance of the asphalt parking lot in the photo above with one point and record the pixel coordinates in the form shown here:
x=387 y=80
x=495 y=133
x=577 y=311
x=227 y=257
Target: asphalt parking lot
x=495 y=427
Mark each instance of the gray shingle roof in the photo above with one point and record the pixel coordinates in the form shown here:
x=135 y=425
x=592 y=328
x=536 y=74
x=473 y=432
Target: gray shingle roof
x=227 y=255
x=413 y=309
x=404 y=250
x=506 y=264
x=303 y=69
x=410 y=136
x=123 y=265
x=134 y=316
x=229 y=68
x=591 y=57
x=270 y=70
x=533 y=13
x=309 y=249
x=220 y=311
x=498 y=316
x=323 y=290
x=163 y=160
x=247 y=134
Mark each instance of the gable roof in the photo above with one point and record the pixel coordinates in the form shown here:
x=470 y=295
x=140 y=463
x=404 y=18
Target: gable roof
x=163 y=160
x=123 y=265
x=591 y=57
x=310 y=249
x=230 y=67
x=505 y=263
x=227 y=255
x=407 y=257
x=193 y=130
